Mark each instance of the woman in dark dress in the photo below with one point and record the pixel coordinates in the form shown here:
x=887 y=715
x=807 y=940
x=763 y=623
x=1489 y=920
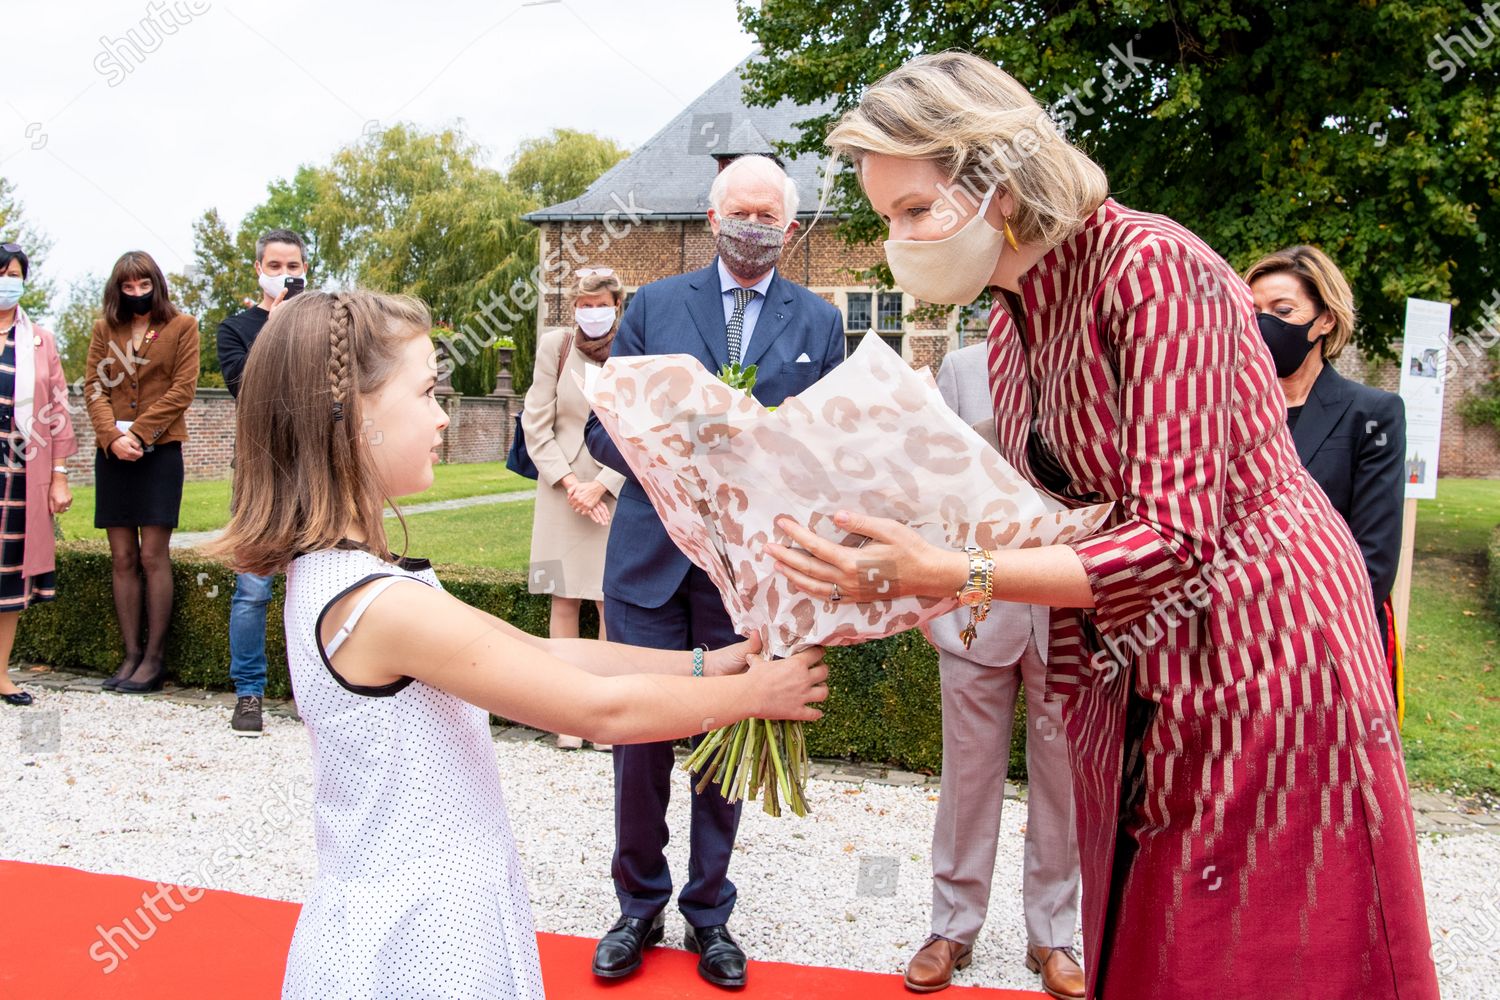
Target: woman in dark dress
x=1351 y=437
x=35 y=437
x=142 y=375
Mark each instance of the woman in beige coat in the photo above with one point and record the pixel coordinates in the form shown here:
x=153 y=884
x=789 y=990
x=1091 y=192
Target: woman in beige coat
x=575 y=497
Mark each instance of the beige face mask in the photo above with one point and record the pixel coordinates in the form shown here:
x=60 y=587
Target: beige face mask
x=952 y=270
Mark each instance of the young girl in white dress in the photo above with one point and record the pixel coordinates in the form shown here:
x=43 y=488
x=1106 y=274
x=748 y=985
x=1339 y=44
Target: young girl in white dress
x=419 y=891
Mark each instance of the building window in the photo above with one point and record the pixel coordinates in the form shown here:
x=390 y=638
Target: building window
x=887 y=319
x=973 y=323
x=626 y=304
x=857 y=315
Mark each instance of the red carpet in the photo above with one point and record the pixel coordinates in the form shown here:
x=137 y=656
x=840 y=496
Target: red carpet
x=233 y=947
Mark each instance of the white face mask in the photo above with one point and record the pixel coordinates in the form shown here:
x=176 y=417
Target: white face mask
x=595 y=322
x=952 y=270
x=274 y=284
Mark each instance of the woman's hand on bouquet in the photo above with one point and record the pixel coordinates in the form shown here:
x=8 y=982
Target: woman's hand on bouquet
x=894 y=562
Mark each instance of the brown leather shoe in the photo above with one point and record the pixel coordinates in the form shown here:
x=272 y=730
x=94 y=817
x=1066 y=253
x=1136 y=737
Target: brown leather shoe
x=932 y=967
x=1062 y=976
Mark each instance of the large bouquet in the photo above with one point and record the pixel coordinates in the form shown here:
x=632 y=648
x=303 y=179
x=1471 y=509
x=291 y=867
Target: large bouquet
x=872 y=436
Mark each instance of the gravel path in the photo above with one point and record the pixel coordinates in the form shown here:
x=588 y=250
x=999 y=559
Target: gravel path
x=163 y=791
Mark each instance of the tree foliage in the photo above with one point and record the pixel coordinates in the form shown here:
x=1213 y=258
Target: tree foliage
x=561 y=165
x=1361 y=127
x=74 y=325
x=555 y=168
x=409 y=211
x=15 y=227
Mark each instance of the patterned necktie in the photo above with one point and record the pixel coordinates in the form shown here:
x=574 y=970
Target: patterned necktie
x=737 y=322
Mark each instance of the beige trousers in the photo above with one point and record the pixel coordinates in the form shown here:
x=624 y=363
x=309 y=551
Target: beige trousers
x=979 y=703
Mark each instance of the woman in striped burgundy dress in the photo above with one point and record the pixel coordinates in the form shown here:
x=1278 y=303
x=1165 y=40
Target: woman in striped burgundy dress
x=1242 y=805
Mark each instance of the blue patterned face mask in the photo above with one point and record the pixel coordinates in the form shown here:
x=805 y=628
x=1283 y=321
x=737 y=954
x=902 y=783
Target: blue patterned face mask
x=11 y=289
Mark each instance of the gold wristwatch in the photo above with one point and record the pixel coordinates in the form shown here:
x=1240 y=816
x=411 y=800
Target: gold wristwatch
x=977 y=591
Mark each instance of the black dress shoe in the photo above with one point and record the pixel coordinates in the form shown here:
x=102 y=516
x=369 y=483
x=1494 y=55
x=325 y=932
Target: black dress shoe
x=144 y=680
x=722 y=962
x=127 y=667
x=619 y=951
x=18 y=698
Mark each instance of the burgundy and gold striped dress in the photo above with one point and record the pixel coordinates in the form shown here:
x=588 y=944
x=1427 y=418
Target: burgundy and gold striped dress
x=1242 y=803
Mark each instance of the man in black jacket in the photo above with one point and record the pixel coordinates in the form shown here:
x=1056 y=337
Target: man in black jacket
x=279 y=255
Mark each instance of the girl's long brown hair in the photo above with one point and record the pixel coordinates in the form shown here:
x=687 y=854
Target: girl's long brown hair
x=303 y=477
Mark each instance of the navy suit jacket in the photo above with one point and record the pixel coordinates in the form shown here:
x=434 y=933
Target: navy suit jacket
x=1352 y=439
x=684 y=314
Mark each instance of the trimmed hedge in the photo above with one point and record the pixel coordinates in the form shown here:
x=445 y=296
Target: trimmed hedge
x=883 y=707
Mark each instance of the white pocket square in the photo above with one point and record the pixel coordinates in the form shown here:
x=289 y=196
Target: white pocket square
x=803 y=358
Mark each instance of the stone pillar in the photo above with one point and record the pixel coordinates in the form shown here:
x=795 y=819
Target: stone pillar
x=503 y=384
x=444 y=368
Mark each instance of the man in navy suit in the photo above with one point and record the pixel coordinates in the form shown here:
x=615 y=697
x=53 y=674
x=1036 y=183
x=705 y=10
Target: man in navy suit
x=739 y=309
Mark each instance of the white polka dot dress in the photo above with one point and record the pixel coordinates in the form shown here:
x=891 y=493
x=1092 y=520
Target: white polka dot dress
x=419 y=891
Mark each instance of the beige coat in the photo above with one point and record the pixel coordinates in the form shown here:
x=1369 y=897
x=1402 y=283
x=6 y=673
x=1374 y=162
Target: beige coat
x=567 y=549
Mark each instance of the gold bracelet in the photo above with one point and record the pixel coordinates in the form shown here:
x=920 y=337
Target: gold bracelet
x=978 y=591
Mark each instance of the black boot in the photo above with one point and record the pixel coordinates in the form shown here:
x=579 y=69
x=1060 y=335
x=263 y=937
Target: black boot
x=619 y=951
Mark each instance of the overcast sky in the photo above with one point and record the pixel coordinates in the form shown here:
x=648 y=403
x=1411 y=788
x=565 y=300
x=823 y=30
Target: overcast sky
x=108 y=154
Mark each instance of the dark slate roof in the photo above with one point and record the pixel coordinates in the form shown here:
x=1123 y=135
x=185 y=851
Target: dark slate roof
x=671 y=172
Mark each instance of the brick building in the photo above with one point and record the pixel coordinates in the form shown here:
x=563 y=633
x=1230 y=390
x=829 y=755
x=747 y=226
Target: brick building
x=646 y=218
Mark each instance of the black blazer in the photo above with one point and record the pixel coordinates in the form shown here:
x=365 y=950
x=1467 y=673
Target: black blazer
x=684 y=314
x=1352 y=439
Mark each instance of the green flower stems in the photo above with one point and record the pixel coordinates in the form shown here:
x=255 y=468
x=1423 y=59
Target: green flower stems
x=753 y=754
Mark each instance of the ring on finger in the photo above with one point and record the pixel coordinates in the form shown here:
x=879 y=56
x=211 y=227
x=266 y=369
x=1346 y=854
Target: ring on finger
x=834 y=596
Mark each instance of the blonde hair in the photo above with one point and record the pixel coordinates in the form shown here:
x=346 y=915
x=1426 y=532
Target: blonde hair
x=1324 y=283
x=981 y=127
x=588 y=284
x=303 y=474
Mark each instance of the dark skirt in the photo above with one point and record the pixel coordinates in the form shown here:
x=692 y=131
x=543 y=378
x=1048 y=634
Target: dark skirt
x=18 y=592
x=135 y=494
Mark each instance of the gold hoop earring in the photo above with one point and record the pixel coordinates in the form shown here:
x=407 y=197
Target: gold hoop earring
x=1010 y=237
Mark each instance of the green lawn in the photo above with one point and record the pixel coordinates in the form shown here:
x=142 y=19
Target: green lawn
x=1452 y=731
x=205 y=505
x=494 y=535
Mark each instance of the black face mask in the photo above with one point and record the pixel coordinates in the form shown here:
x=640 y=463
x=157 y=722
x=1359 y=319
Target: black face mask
x=1288 y=342
x=139 y=305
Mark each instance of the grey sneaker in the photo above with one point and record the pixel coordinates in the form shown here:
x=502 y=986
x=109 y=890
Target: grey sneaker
x=246 y=721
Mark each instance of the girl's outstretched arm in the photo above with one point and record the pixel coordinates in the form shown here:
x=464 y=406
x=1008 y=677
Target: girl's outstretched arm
x=618 y=658
x=418 y=631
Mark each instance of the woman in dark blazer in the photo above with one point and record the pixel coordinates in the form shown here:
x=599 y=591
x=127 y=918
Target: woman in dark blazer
x=142 y=375
x=1350 y=437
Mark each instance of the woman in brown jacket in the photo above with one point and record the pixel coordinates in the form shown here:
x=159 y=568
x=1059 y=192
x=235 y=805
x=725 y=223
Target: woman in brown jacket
x=142 y=376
